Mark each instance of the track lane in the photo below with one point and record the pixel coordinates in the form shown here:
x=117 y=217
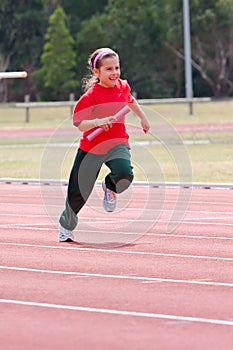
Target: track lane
x=181 y=256
x=58 y=329
x=158 y=297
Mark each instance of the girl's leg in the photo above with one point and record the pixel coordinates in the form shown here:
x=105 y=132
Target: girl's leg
x=81 y=182
x=121 y=174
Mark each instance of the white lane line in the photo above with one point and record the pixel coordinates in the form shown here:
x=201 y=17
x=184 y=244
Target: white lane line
x=115 y=251
x=156 y=221
x=139 y=201
x=148 y=234
x=125 y=277
x=32 y=226
x=68 y=145
x=119 y=312
x=224 y=216
x=20 y=215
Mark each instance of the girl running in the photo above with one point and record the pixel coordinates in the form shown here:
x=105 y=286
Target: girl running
x=105 y=95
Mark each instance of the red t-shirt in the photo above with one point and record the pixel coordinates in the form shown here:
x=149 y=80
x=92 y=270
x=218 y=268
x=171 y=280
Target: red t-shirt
x=100 y=102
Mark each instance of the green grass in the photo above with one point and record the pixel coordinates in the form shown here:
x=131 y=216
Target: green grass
x=206 y=112
x=49 y=117
x=200 y=163
x=203 y=113
x=211 y=162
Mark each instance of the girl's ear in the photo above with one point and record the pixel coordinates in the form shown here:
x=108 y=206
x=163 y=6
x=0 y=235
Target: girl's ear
x=95 y=72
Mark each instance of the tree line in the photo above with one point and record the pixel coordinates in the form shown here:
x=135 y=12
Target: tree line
x=52 y=39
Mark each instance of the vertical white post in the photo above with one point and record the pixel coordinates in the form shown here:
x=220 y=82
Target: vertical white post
x=187 y=50
x=72 y=106
x=26 y=100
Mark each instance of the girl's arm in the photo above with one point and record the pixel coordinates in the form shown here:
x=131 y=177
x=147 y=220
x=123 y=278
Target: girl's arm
x=82 y=112
x=106 y=123
x=86 y=125
x=135 y=107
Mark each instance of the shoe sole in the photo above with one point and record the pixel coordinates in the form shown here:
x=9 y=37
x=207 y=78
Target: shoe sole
x=66 y=240
x=108 y=210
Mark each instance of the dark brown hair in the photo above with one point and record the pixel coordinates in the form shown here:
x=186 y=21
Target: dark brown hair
x=90 y=79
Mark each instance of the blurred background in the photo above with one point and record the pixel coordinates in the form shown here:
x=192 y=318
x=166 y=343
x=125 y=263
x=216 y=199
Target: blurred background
x=52 y=39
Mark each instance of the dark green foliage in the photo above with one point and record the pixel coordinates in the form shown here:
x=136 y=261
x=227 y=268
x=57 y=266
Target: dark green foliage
x=147 y=34
x=56 y=78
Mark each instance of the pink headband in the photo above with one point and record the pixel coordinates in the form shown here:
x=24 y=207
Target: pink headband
x=101 y=54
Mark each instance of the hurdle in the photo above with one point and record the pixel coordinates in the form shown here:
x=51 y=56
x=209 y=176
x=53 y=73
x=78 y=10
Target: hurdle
x=9 y=75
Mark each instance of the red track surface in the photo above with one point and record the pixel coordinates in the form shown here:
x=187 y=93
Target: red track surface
x=70 y=131
x=161 y=291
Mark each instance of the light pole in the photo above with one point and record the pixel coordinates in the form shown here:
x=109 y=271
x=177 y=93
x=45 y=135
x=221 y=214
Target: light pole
x=187 y=51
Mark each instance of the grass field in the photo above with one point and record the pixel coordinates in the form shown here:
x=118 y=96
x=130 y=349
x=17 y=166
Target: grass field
x=169 y=160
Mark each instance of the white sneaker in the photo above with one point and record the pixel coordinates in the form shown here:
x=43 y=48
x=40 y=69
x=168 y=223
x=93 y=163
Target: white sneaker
x=65 y=235
x=109 y=201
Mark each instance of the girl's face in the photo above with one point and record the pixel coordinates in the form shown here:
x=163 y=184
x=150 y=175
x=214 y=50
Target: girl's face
x=109 y=71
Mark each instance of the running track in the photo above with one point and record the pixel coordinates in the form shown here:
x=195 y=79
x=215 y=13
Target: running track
x=159 y=291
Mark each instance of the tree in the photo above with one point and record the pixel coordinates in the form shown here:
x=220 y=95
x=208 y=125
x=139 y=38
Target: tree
x=21 y=32
x=212 y=44
x=135 y=31
x=148 y=34
x=78 y=11
x=56 y=78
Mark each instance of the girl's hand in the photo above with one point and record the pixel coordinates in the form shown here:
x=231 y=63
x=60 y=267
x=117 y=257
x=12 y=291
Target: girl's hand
x=145 y=125
x=105 y=123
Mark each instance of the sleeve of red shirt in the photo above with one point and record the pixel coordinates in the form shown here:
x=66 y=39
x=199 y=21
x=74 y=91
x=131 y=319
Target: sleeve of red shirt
x=83 y=108
x=127 y=89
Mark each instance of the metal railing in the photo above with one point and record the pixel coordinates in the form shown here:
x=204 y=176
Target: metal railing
x=71 y=103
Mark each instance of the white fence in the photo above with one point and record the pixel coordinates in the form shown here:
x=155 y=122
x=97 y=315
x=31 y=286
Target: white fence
x=28 y=105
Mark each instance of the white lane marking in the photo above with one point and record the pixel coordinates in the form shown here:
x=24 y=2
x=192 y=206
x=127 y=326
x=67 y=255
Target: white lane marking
x=119 y=312
x=157 y=220
x=224 y=216
x=148 y=234
x=115 y=251
x=197 y=215
x=154 y=235
x=125 y=277
x=74 y=145
x=167 y=235
x=96 y=207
